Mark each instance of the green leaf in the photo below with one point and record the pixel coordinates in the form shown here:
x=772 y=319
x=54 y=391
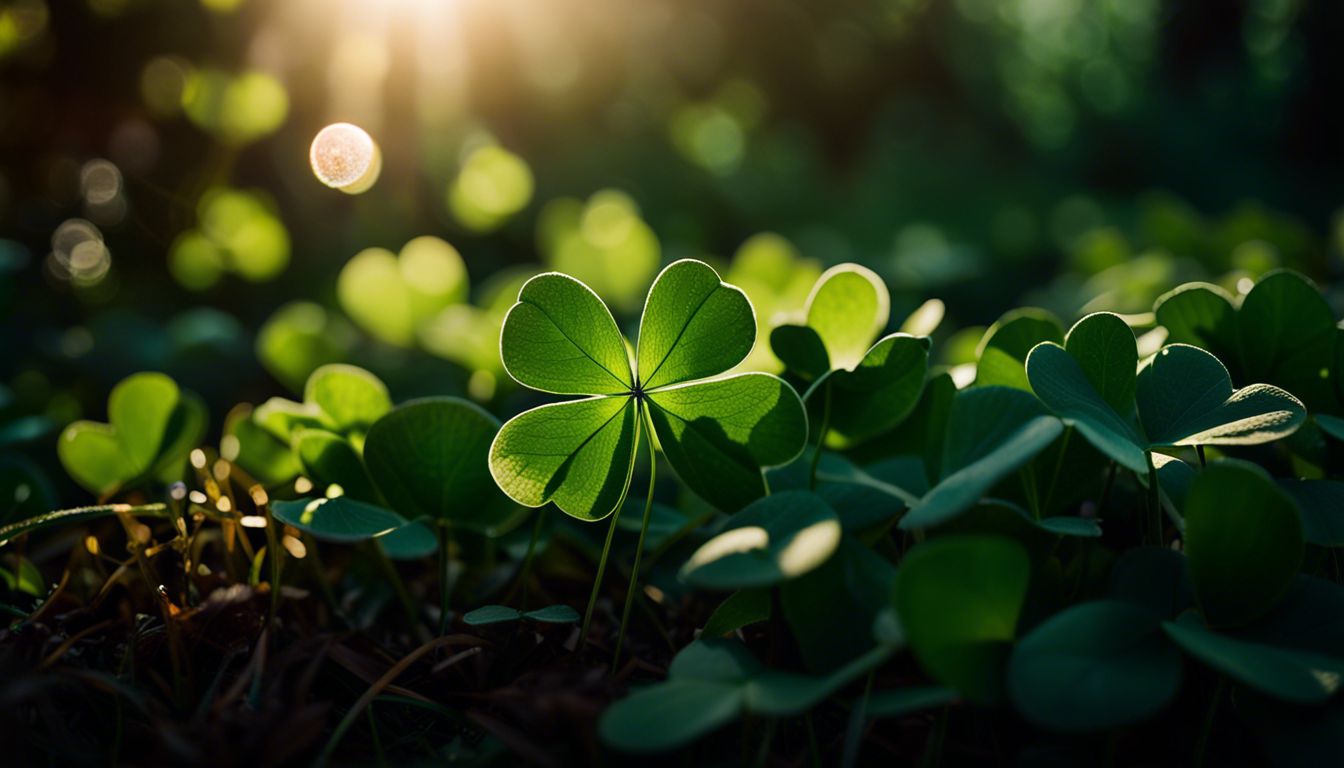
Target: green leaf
x=740 y=609
x=1287 y=335
x=1094 y=667
x=430 y=458
x=1202 y=315
x=330 y=459
x=991 y=432
x=848 y=308
x=777 y=538
x=491 y=614
x=801 y=350
x=351 y=398
x=281 y=417
x=259 y=452
x=553 y=614
x=1090 y=383
x=1321 y=503
x=153 y=425
x=719 y=434
x=694 y=325
x=1002 y=354
x=412 y=541
x=1288 y=675
x=1185 y=397
x=340 y=520
x=832 y=611
x=789 y=694
x=561 y=338
x=907 y=701
x=578 y=454
x=959 y=599
x=669 y=715
x=1243 y=541
x=877 y=394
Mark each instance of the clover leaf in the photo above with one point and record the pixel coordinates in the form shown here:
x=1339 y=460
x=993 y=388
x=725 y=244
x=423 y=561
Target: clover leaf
x=152 y=425
x=1282 y=332
x=1182 y=396
x=777 y=538
x=710 y=683
x=859 y=389
x=1002 y=352
x=717 y=433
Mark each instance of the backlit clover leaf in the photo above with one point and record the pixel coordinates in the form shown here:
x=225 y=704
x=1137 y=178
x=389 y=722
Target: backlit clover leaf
x=717 y=433
x=861 y=386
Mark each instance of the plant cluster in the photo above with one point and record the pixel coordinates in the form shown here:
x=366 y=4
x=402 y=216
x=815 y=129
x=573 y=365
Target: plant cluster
x=1117 y=542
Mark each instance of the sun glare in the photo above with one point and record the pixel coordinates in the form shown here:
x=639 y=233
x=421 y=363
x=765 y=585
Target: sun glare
x=345 y=157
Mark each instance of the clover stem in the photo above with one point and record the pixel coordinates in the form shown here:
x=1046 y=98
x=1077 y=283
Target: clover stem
x=445 y=575
x=1199 y=449
x=1154 y=499
x=273 y=554
x=526 y=575
x=398 y=587
x=639 y=547
x=1054 y=477
x=1106 y=490
x=857 y=718
x=1201 y=746
x=821 y=436
x=606 y=547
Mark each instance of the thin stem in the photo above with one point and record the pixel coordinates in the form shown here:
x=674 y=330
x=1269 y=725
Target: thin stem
x=821 y=436
x=1106 y=490
x=934 y=754
x=857 y=717
x=1205 y=731
x=274 y=553
x=389 y=570
x=639 y=547
x=445 y=575
x=1059 y=466
x=1199 y=449
x=1154 y=499
x=606 y=547
x=526 y=575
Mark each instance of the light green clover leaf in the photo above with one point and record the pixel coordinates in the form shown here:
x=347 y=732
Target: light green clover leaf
x=717 y=433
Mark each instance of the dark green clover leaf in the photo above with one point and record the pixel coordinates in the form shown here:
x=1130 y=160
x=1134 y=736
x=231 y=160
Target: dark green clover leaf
x=340 y=520
x=1282 y=332
x=774 y=539
x=428 y=458
x=717 y=433
x=152 y=426
x=1243 y=541
x=1183 y=396
x=859 y=388
x=991 y=432
x=1321 y=503
x=710 y=683
x=958 y=599
x=499 y=614
x=1094 y=667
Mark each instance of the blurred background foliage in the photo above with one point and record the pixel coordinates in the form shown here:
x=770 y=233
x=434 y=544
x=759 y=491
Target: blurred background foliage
x=157 y=210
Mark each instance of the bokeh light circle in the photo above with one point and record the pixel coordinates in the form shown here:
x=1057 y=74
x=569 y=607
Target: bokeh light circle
x=345 y=157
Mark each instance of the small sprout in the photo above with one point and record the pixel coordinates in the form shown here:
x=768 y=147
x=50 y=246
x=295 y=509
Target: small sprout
x=252 y=521
x=221 y=470
x=178 y=491
x=91 y=544
x=223 y=504
x=198 y=458
x=258 y=494
x=303 y=485
x=230 y=447
x=197 y=497
x=334 y=491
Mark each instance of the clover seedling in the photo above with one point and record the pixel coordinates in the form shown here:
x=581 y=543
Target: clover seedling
x=717 y=433
x=152 y=426
x=500 y=614
x=858 y=389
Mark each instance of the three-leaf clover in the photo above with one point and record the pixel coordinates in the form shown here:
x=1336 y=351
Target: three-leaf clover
x=717 y=433
x=1183 y=396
